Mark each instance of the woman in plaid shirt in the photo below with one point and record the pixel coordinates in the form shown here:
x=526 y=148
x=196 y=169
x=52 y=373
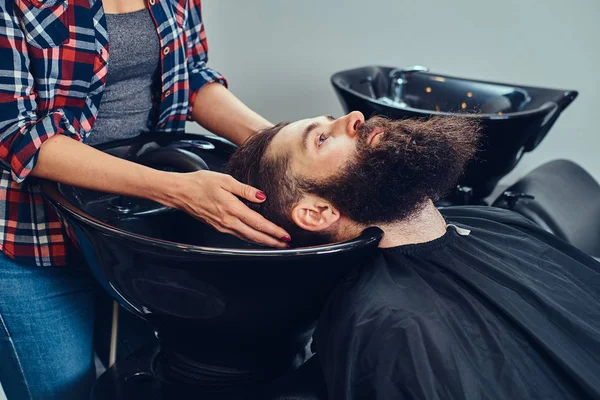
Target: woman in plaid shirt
x=55 y=80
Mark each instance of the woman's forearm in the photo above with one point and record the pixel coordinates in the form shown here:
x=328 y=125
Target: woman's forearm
x=62 y=159
x=209 y=196
x=219 y=111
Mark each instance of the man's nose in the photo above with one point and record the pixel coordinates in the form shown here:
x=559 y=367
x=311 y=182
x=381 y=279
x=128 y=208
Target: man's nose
x=351 y=122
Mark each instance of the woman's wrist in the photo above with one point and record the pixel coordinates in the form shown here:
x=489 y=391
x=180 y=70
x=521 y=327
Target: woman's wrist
x=164 y=187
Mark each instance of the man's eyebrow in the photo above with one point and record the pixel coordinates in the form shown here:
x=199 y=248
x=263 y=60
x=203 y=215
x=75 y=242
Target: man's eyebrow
x=307 y=132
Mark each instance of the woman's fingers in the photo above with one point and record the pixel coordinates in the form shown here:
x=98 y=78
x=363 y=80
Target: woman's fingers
x=241 y=230
x=252 y=235
x=259 y=224
x=256 y=222
x=219 y=206
x=245 y=191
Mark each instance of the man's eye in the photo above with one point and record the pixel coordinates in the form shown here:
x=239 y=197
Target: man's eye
x=322 y=138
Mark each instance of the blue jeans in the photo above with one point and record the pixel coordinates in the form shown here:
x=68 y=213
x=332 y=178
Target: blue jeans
x=46 y=331
x=47 y=322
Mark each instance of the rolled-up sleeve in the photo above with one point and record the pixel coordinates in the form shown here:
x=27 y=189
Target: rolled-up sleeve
x=22 y=130
x=197 y=55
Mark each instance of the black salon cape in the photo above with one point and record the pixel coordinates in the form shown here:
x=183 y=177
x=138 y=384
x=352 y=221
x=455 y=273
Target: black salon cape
x=507 y=312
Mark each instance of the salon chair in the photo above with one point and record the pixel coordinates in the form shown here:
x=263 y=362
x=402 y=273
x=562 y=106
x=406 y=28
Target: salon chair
x=233 y=319
x=562 y=198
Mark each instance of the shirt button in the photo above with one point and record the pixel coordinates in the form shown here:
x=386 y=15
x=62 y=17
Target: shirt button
x=152 y=2
x=166 y=50
x=167 y=93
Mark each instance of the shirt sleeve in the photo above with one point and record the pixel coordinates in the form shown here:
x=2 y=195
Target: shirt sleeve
x=22 y=129
x=197 y=55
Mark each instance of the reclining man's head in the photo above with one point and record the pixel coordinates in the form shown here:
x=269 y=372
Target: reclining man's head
x=327 y=179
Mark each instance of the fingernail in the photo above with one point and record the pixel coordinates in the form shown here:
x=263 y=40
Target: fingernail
x=286 y=239
x=261 y=195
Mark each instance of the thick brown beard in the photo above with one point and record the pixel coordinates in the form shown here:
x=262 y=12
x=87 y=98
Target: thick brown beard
x=414 y=160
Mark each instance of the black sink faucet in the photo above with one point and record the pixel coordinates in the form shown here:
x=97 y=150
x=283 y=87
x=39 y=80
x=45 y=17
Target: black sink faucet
x=398 y=80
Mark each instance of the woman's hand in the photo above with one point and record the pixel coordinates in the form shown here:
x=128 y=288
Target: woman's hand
x=211 y=197
x=206 y=195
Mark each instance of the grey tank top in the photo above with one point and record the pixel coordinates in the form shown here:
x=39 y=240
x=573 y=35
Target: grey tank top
x=133 y=75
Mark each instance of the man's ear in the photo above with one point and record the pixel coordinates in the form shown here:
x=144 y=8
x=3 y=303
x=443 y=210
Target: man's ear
x=314 y=214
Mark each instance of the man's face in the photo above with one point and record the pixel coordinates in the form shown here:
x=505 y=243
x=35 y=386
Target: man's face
x=320 y=147
x=351 y=162
x=380 y=170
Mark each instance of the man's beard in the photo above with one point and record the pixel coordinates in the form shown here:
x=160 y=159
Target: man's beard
x=413 y=161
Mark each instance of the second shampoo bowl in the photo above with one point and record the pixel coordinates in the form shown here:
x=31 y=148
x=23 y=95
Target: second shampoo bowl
x=514 y=118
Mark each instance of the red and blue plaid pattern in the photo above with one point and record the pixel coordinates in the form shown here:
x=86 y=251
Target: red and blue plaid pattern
x=53 y=64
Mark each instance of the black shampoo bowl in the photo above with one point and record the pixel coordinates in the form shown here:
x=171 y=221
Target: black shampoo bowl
x=226 y=312
x=514 y=118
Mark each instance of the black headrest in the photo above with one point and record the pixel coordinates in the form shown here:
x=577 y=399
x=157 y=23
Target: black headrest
x=175 y=158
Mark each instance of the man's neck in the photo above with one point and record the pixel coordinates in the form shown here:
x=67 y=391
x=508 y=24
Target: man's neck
x=424 y=226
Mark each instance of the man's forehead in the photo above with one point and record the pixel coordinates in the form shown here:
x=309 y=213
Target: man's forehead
x=289 y=136
x=299 y=125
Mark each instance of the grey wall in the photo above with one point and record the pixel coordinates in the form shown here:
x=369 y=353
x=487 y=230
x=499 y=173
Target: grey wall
x=279 y=54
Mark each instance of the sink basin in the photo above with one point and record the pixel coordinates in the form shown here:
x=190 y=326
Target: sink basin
x=514 y=118
x=224 y=310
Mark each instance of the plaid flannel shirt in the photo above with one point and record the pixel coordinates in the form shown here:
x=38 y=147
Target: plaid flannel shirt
x=53 y=64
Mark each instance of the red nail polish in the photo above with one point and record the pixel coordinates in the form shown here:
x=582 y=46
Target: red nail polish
x=261 y=195
x=286 y=239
